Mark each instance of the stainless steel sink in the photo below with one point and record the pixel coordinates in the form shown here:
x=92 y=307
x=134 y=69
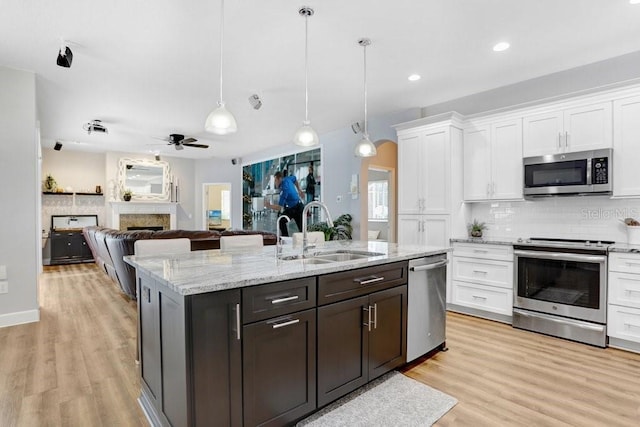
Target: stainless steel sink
x=332 y=256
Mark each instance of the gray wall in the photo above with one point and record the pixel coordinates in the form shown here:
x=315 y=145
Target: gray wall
x=19 y=195
x=599 y=75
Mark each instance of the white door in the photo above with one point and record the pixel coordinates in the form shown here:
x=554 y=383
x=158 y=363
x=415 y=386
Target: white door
x=410 y=229
x=434 y=166
x=410 y=197
x=543 y=134
x=626 y=146
x=588 y=128
x=506 y=160
x=477 y=163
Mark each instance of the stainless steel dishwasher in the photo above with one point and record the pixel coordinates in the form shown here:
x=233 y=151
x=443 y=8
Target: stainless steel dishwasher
x=426 y=312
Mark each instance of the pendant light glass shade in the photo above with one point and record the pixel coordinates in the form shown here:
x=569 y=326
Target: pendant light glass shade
x=364 y=147
x=220 y=121
x=305 y=136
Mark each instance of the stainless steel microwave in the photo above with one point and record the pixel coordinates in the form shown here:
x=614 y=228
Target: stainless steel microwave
x=580 y=173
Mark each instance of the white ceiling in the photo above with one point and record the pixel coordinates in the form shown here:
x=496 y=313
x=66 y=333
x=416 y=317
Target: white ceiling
x=148 y=69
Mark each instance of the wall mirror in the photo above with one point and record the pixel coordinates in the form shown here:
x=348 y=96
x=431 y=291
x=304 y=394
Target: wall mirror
x=147 y=179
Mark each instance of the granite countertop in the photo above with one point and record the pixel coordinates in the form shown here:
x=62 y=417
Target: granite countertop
x=482 y=241
x=215 y=270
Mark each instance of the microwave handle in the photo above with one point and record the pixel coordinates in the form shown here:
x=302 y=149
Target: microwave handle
x=589 y=175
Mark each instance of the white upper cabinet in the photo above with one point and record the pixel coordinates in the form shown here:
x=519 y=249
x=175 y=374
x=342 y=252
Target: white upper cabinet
x=423 y=162
x=493 y=161
x=626 y=146
x=574 y=129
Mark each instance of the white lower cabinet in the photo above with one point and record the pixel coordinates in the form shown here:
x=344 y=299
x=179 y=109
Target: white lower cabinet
x=482 y=280
x=623 y=309
x=428 y=230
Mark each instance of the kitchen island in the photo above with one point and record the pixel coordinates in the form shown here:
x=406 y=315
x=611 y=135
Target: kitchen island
x=245 y=338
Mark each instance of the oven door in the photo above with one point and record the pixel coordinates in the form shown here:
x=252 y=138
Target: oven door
x=563 y=284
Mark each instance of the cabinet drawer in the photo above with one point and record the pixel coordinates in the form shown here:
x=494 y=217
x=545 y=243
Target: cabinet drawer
x=348 y=284
x=486 y=272
x=624 y=262
x=276 y=299
x=624 y=323
x=624 y=289
x=488 y=298
x=481 y=250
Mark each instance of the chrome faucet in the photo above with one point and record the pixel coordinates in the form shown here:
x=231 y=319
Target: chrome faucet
x=278 y=242
x=305 y=239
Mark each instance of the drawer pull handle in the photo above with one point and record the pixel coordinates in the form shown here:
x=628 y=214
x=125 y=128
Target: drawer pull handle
x=631 y=291
x=478 y=297
x=368 y=280
x=281 y=300
x=633 y=264
x=368 y=309
x=480 y=272
x=480 y=251
x=283 y=324
x=238 y=322
x=631 y=325
x=375 y=316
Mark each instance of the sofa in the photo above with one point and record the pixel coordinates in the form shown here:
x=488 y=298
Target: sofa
x=109 y=246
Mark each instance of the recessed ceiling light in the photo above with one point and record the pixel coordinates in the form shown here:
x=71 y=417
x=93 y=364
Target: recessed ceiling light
x=501 y=46
x=634 y=1
x=414 y=77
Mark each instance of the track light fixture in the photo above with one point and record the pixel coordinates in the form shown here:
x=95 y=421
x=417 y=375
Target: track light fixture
x=65 y=56
x=255 y=101
x=58 y=146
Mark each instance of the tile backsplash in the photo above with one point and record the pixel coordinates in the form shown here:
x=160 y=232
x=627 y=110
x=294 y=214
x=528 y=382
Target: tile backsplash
x=589 y=217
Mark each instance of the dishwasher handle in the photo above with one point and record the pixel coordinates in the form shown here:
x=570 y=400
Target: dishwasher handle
x=428 y=267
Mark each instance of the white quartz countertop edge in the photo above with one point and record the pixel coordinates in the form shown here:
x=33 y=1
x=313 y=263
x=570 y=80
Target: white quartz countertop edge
x=214 y=270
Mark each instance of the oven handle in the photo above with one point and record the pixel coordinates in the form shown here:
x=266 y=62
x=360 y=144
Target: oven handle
x=561 y=256
x=563 y=321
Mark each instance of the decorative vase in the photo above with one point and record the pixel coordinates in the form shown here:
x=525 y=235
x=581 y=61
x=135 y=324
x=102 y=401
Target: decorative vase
x=126 y=197
x=476 y=233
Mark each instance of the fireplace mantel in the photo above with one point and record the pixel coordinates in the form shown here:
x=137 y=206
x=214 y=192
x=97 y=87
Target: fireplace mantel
x=167 y=208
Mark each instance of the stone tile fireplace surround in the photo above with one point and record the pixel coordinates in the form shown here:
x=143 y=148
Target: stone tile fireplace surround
x=129 y=214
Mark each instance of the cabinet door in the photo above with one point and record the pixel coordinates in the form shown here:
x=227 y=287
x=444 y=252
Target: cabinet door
x=434 y=166
x=342 y=348
x=626 y=117
x=149 y=329
x=477 y=163
x=543 y=134
x=410 y=229
x=279 y=369
x=435 y=230
x=216 y=358
x=506 y=160
x=588 y=127
x=410 y=197
x=388 y=330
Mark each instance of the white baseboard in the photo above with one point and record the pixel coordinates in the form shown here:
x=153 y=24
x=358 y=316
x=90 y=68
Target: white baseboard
x=19 y=317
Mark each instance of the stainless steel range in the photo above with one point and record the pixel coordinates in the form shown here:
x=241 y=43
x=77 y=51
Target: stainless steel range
x=561 y=288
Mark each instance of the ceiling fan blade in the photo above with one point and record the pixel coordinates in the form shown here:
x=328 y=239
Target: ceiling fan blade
x=189 y=140
x=195 y=145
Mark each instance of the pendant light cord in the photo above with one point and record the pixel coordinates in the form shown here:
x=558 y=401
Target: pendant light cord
x=221 y=44
x=366 y=132
x=306 y=68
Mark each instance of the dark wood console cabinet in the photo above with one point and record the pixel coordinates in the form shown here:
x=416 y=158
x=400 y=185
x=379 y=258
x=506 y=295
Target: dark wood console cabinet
x=68 y=247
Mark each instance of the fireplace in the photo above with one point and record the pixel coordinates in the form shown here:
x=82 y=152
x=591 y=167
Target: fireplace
x=143 y=214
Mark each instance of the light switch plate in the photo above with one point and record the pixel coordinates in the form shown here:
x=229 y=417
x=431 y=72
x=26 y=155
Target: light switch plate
x=4 y=286
x=3 y=272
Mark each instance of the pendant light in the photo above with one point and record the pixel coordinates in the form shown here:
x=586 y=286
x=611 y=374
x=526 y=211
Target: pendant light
x=305 y=136
x=365 y=148
x=220 y=121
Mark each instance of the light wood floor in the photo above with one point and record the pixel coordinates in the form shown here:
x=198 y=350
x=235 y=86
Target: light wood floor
x=76 y=367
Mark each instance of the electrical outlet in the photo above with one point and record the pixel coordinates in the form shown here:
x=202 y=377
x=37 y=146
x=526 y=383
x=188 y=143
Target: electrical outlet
x=4 y=286
x=338 y=199
x=3 y=272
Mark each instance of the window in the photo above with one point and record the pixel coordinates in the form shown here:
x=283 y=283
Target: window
x=378 y=200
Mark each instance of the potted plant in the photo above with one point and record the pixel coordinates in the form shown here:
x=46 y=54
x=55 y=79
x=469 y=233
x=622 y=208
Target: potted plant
x=126 y=195
x=476 y=228
x=341 y=230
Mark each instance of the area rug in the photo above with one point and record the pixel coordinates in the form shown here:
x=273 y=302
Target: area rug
x=391 y=400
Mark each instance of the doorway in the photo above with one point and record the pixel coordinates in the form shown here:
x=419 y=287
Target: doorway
x=378 y=204
x=216 y=203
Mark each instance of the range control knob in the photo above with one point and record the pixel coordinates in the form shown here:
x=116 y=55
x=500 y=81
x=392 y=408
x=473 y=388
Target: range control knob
x=587 y=243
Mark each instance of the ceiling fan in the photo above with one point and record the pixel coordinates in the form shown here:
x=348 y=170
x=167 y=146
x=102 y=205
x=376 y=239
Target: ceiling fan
x=179 y=142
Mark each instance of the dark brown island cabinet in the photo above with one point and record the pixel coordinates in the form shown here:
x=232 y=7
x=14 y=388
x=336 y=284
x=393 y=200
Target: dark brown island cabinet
x=271 y=354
